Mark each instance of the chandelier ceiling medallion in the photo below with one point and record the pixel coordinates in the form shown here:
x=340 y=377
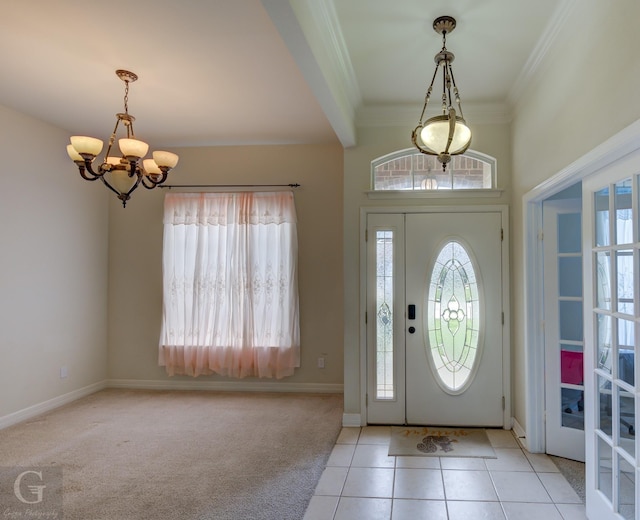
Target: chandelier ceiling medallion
x=122 y=174
x=446 y=134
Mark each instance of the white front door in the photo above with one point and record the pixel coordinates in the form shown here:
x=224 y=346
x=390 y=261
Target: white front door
x=563 y=328
x=435 y=309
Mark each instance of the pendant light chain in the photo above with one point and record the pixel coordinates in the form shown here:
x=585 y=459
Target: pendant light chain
x=446 y=134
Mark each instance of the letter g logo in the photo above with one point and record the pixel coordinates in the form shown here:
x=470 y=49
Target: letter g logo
x=34 y=490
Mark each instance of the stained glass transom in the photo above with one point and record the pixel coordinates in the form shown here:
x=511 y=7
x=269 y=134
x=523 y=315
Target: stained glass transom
x=453 y=317
x=384 y=315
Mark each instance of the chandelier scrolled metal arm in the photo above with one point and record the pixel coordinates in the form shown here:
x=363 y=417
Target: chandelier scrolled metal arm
x=446 y=134
x=123 y=174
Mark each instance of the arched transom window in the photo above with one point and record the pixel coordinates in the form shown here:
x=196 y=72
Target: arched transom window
x=407 y=170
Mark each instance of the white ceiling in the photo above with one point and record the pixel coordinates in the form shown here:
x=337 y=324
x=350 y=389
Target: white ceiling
x=260 y=72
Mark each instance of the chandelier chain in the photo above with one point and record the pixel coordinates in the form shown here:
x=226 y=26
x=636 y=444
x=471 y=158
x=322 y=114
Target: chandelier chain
x=447 y=134
x=126 y=96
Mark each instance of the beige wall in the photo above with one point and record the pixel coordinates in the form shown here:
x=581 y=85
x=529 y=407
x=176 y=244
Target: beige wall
x=493 y=140
x=587 y=89
x=135 y=256
x=53 y=268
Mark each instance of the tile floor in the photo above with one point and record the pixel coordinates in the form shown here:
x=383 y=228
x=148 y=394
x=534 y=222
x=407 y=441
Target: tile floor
x=361 y=482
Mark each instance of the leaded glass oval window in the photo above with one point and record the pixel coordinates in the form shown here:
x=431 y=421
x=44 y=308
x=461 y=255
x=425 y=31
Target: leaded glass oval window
x=453 y=318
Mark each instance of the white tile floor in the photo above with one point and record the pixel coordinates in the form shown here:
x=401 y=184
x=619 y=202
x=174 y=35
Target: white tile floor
x=361 y=482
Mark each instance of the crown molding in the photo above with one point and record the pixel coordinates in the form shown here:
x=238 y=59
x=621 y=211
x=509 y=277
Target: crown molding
x=311 y=32
x=327 y=32
x=371 y=116
x=540 y=51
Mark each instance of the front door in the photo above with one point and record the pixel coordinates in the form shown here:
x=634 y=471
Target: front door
x=435 y=343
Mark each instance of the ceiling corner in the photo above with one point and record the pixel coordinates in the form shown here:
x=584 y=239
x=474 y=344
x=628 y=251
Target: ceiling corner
x=312 y=33
x=540 y=51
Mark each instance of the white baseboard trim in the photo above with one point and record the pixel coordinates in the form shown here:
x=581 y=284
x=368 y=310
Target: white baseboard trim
x=229 y=386
x=521 y=434
x=351 y=420
x=51 y=404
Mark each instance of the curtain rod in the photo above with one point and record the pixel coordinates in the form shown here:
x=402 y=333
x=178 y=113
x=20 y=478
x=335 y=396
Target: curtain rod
x=169 y=186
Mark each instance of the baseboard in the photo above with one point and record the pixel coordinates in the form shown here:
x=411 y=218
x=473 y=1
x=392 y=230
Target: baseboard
x=51 y=404
x=230 y=386
x=521 y=434
x=351 y=420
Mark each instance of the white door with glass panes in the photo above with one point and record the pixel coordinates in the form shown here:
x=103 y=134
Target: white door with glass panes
x=435 y=346
x=563 y=328
x=612 y=326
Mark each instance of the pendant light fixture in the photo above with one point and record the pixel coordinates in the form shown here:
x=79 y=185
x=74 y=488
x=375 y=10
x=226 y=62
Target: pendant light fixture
x=446 y=134
x=122 y=174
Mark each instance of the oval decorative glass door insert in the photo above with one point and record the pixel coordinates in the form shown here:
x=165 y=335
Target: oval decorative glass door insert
x=453 y=318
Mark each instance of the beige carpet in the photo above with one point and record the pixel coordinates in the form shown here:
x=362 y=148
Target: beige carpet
x=437 y=441
x=574 y=472
x=137 y=455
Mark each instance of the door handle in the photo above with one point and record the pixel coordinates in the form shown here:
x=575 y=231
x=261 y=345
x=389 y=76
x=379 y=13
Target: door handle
x=412 y=312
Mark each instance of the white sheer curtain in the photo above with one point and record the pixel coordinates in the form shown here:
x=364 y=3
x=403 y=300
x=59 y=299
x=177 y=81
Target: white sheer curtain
x=230 y=294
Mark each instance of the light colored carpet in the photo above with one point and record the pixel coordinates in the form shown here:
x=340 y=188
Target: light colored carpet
x=574 y=472
x=435 y=441
x=138 y=455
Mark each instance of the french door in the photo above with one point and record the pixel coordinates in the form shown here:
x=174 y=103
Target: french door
x=612 y=329
x=563 y=328
x=435 y=334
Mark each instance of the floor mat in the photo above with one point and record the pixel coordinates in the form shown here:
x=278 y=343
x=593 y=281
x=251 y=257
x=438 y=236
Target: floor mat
x=439 y=441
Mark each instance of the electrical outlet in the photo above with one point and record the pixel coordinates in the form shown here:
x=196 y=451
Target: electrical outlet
x=320 y=362
x=64 y=372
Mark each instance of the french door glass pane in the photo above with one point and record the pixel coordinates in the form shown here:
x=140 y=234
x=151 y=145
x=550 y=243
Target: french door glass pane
x=627 y=488
x=624 y=275
x=627 y=421
x=603 y=236
x=571 y=364
x=604 y=478
x=624 y=212
x=603 y=345
x=572 y=408
x=626 y=352
x=570 y=276
x=568 y=240
x=603 y=277
x=570 y=320
x=606 y=404
x=384 y=315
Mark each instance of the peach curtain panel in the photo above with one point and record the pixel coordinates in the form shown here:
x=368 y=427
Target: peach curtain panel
x=230 y=287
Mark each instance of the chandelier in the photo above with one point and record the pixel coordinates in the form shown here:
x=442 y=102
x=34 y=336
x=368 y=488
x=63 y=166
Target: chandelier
x=446 y=134
x=121 y=174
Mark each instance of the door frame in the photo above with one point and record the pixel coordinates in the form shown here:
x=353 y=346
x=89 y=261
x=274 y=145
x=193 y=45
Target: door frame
x=503 y=209
x=622 y=143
